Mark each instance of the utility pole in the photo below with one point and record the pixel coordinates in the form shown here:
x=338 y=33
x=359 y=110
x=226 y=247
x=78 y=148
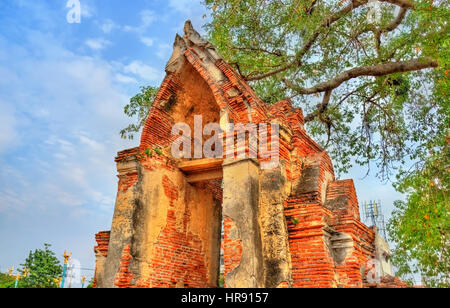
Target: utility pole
x=17 y=281
x=11 y=274
x=66 y=258
x=374 y=215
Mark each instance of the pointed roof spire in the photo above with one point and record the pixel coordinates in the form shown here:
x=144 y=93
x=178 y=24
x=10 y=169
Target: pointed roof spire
x=193 y=36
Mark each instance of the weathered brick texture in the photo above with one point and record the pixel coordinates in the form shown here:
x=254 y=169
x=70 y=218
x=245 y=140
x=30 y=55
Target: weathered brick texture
x=232 y=246
x=101 y=252
x=295 y=226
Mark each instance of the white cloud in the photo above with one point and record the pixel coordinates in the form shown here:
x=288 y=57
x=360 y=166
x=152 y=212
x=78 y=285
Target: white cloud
x=60 y=156
x=109 y=26
x=164 y=51
x=62 y=196
x=94 y=145
x=147 y=41
x=97 y=44
x=87 y=10
x=184 y=6
x=147 y=19
x=188 y=9
x=125 y=79
x=69 y=128
x=11 y=200
x=144 y=71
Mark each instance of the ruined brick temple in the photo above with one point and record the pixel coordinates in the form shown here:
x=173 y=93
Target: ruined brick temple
x=291 y=226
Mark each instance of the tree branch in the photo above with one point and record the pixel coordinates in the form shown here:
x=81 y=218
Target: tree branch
x=238 y=67
x=271 y=73
x=377 y=32
x=321 y=108
x=277 y=53
x=397 y=21
x=309 y=43
x=404 y=4
x=375 y=70
x=401 y=3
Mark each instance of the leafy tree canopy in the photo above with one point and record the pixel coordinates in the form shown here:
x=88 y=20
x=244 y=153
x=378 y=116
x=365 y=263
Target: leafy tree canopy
x=6 y=281
x=421 y=225
x=138 y=107
x=42 y=268
x=372 y=80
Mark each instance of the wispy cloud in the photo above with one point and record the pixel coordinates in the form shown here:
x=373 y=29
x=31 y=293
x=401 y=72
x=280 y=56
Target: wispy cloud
x=187 y=9
x=108 y=26
x=163 y=52
x=147 y=17
x=97 y=44
x=125 y=79
x=69 y=124
x=144 y=71
x=184 y=6
x=147 y=41
x=87 y=9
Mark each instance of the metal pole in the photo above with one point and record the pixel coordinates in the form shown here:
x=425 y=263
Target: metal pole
x=66 y=258
x=17 y=281
x=63 y=275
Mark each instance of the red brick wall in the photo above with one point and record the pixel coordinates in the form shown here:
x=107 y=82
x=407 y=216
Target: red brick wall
x=127 y=180
x=344 y=190
x=157 y=131
x=123 y=276
x=158 y=127
x=346 y=219
x=312 y=265
x=179 y=256
x=308 y=218
x=232 y=247
x=102 y=239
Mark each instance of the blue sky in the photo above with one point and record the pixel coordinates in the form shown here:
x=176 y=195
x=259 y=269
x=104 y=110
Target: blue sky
x=62 y=92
